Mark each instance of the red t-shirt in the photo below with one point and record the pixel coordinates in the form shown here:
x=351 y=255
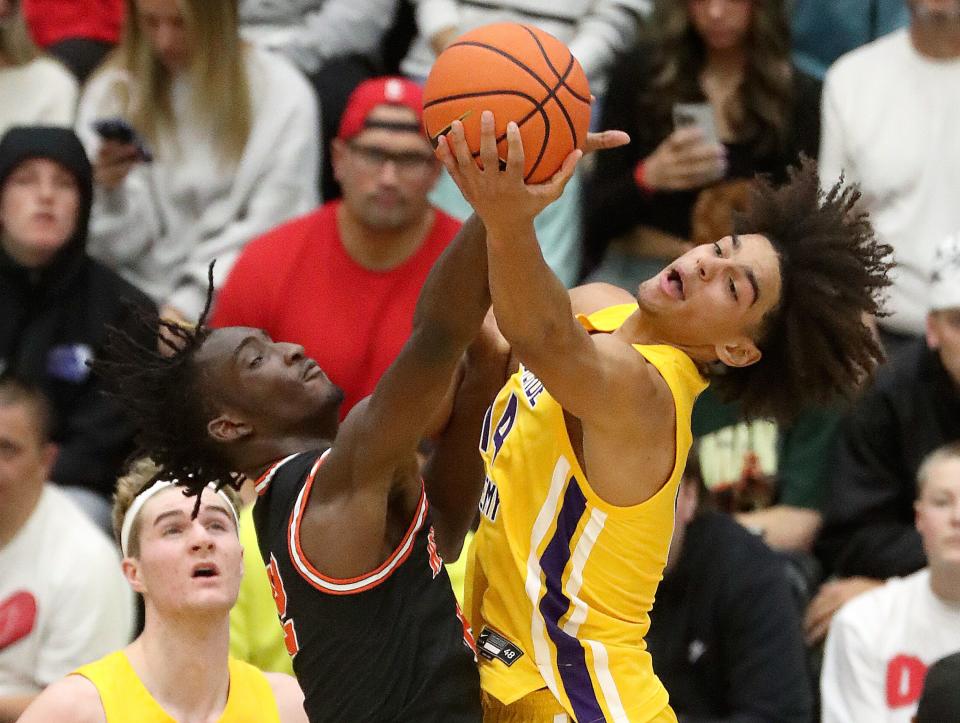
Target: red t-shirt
x=298 y=284
x=51 y=21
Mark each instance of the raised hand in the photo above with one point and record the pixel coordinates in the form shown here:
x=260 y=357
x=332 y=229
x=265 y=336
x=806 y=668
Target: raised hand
x=501 y=198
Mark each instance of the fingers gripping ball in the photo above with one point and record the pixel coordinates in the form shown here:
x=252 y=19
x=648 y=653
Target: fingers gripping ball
x=522 y=74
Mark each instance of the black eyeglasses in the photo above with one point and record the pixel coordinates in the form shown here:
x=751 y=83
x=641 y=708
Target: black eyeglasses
x=410 y=163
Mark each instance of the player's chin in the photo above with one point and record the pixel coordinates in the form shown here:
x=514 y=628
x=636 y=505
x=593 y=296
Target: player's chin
x=214 y=599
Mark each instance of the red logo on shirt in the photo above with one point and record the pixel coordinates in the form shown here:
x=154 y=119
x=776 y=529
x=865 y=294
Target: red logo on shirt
x=905 y=674
x=18 y=614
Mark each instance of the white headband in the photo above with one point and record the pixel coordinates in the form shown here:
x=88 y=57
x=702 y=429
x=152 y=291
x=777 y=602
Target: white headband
x=141 y=499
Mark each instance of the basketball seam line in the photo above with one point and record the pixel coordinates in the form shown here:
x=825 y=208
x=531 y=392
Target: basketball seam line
x=556 y=72
x=539 y=106
x=549 y=62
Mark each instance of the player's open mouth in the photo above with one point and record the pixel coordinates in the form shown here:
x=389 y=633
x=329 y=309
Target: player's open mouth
x=205 y=570
x=672 y=284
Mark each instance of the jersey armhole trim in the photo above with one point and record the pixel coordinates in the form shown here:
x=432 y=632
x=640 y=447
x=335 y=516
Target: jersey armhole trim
x=367 y=581
x=262 y=484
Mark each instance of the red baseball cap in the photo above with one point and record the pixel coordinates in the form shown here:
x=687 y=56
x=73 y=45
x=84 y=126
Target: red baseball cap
x=387 y=90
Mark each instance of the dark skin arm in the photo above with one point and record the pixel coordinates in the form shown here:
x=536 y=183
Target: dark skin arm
x=376 y=445
x=369 y=484
x=453 y=474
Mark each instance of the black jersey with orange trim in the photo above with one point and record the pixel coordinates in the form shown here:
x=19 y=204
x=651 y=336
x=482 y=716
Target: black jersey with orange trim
x=391 y=645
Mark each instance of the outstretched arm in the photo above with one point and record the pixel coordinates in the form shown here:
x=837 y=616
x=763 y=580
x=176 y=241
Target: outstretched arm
x=451 y=308
x=453 y=474
x=376 y=443
x=532 y=307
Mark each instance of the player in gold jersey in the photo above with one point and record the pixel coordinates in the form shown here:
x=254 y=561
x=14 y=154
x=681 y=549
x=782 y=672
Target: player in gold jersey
x=188 y=571
x=585 y=444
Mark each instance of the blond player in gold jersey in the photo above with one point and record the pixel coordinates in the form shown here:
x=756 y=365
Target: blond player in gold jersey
x=585 y=445
x=188 y=571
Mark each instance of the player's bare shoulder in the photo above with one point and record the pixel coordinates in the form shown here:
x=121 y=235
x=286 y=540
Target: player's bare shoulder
x=74 y=699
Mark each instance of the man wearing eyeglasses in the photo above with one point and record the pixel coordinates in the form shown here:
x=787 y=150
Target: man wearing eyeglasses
x=343 y=280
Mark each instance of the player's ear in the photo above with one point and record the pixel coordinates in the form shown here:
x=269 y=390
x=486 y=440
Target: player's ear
x=226 y=429
x=741 y=352
x=130 y=567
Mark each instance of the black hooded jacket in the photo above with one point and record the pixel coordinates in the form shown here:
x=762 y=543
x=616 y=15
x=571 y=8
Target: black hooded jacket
x=53 y=320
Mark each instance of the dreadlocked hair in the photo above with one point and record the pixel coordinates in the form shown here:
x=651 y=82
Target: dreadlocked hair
x=815 y=345
x=159 y=389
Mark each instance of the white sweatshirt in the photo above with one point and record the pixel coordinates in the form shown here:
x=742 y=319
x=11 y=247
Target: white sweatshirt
x=41 y=92
x=595 y=30
x=890 y=122
x=161 y=228
x=310 y=32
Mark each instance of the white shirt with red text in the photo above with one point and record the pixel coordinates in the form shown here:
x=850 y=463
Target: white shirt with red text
x=879 y=647
x=63 y=600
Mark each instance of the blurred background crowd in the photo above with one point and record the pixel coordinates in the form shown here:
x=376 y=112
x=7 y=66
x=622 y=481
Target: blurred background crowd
x=815 y=567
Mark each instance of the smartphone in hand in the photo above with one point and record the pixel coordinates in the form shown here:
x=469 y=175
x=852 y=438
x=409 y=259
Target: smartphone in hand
x=699 y=115
x=119 y=130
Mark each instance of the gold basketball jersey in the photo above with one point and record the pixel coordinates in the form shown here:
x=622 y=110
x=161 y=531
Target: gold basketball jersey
x=125 y=698
x=559 y=582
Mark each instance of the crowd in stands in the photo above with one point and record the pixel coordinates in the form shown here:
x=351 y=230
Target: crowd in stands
x=814 y=571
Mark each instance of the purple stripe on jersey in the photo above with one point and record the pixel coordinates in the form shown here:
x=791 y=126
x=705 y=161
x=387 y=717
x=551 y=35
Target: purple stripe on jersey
x=571 y=660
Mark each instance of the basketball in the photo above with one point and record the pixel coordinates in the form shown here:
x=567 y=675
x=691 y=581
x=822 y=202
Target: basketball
x=522 y=74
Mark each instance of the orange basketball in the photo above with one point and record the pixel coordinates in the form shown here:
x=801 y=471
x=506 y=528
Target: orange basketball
x=522 y=74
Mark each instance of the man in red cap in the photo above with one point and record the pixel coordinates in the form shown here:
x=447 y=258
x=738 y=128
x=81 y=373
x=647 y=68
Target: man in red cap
x=343 y=280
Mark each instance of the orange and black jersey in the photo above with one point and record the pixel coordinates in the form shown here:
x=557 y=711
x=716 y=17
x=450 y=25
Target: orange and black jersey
x=390 y=645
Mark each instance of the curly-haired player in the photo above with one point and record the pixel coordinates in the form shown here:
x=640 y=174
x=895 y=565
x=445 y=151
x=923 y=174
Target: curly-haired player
x=352 y=547
x=585 y=444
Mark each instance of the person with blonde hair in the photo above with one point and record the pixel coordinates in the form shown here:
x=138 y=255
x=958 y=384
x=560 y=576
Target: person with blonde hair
x=232 y=133
x=34 y=89
x=188 y=569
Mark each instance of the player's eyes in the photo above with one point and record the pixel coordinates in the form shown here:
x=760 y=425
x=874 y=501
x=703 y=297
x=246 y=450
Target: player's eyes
x=255 y=362
x=716 y=249
x=733 y=290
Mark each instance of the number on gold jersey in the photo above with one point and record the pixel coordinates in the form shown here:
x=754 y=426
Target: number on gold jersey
x=500 y=430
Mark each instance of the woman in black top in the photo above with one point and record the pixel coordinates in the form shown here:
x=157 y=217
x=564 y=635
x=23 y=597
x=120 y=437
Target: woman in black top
x=733 y=55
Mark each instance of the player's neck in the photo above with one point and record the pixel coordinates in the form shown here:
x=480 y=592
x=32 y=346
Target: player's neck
x=381 y=249
x=258 y=456
x=182 y=661
x=640 y=328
